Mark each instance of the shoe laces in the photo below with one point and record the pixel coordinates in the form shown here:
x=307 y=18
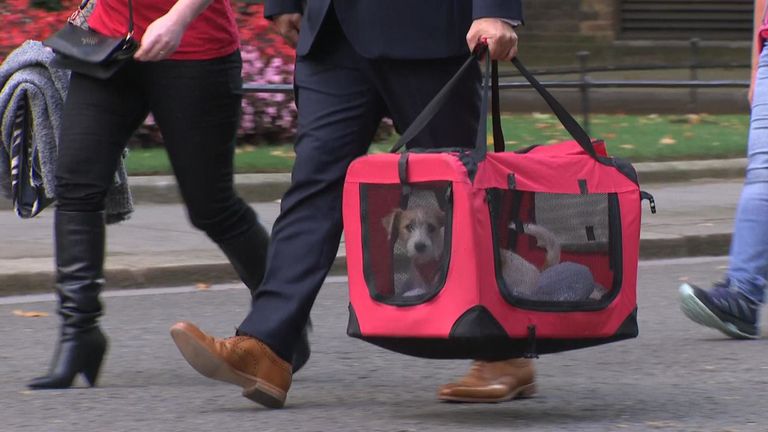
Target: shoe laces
x=731 y=300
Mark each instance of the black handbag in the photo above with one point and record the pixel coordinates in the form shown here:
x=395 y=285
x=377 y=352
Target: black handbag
x=90 y=53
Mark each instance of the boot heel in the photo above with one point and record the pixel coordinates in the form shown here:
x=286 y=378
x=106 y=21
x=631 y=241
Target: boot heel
x=92 y=367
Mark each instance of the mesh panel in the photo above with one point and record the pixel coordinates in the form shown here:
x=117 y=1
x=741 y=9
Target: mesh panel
x=552 y=249
x=406 y=240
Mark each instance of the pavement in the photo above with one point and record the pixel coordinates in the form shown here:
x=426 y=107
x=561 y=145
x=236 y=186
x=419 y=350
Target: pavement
x=696 y=201
x=676 y=376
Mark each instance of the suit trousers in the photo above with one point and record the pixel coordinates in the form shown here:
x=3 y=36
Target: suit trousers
x=342 y=98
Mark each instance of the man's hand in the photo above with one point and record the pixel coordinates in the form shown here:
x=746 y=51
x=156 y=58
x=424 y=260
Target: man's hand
x=288 y=27
x=499 y=35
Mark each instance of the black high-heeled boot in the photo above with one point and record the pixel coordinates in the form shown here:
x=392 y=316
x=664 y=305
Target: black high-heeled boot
x=79 y=240
x=248 y=255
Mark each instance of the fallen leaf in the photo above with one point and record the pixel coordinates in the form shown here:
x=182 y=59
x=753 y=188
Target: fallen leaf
x=512 y=142
x=609 y=135
x=627 y=146
x=667 y=141
x=282 y=153
x=29 y=314
x=202 y=286
x=689 y=134
x=542 y=125
x=694 y=118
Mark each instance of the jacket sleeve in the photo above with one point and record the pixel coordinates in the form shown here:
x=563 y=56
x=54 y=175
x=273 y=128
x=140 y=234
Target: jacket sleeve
x=273 y=8
x=507 y=9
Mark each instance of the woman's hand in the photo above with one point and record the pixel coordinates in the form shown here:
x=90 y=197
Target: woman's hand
x=161 y=39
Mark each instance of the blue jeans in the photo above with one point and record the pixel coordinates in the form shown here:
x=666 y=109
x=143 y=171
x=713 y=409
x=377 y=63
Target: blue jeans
x=748 y=268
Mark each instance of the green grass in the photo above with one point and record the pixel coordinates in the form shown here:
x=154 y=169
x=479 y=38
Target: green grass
x=636 y=138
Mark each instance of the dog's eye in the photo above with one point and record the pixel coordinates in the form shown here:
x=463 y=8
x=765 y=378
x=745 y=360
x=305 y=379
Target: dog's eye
x=431 y=228
x=409 y=227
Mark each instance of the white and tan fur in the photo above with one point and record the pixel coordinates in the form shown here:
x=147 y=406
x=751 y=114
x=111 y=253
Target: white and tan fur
x=522 y=276
x=420 y=232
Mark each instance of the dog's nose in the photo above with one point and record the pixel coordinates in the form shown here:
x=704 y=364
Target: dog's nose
x=420 y=247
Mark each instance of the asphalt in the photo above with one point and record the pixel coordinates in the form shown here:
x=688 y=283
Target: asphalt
x=695 y=200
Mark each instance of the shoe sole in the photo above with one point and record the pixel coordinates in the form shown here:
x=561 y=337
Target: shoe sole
x=212 y=366
x=699 y=313
x=522 y=392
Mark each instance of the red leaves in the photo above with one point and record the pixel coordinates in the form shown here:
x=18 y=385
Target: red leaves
x=21 y=23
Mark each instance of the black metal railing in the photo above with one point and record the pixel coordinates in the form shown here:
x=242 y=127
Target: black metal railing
x=585 y=82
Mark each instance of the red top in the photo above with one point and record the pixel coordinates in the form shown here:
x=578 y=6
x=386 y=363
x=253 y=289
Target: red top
x=212 y=34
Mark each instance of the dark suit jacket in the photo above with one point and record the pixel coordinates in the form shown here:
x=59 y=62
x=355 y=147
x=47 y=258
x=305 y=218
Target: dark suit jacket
x=401 y=29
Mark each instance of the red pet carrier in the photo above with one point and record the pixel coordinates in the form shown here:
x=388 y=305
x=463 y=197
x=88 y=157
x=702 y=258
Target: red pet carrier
x=457 y=253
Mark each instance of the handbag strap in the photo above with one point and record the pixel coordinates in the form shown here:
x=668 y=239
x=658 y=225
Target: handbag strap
x=84 y=4
x=566 y=119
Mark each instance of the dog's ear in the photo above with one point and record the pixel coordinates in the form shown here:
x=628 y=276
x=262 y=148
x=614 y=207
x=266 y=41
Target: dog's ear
x=391 y=223
x=439 y=216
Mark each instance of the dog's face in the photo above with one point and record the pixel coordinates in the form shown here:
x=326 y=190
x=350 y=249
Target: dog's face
x=419 y=229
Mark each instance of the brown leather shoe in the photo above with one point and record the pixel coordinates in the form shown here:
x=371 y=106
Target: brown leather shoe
x=240 y=360
x=492 y=382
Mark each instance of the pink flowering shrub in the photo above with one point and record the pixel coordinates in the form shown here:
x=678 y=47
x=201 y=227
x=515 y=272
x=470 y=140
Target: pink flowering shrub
x=267 y=117
x=267 y=59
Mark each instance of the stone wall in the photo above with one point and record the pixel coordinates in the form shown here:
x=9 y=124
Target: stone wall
x=562 y=18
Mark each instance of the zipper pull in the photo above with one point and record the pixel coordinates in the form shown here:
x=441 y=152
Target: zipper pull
x=646 y=196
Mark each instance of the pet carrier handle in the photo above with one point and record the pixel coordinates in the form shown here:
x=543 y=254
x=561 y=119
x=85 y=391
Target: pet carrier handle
x=566 y=119
x=440 y=99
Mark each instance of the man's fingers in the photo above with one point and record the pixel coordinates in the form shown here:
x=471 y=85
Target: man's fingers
x=291 y=37
x=502 y=49
x=500 y=37
x=288 y=26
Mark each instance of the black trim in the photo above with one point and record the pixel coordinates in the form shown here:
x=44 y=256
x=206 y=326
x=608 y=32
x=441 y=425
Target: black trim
x=583 y=187
x=647 y=196
x=402 y=173
x=353 y=325
x=531 y=352
x=615 y=248
x=511 y=181
x=590 y=231
x=368 y=275
x=477 y=322
x=470 y=163
x=402 y=168
x=495 y=348
x=625 y=168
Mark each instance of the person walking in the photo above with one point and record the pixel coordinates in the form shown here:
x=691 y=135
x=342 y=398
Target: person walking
x=187 y=74
x=357 y=61
x=732 y=305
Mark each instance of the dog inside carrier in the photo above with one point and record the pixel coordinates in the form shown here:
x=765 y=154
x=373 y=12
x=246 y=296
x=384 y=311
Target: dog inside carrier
x=406 y=230
x=555 y=250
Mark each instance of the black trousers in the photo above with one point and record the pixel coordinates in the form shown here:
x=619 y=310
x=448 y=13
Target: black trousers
x=196 y=104
x=342 y=97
